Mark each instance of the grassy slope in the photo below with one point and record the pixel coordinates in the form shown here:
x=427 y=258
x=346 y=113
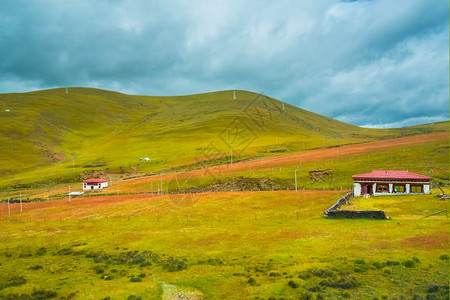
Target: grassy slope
x=225 y=239
x=44 y=130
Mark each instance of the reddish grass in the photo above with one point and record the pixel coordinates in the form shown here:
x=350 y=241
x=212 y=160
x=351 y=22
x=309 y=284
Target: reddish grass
x=438 y=240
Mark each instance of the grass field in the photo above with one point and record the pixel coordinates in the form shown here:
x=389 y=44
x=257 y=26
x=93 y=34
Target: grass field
x=234 y=245
x=222 y=229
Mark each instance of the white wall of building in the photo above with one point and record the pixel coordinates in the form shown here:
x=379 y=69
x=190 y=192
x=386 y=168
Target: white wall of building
x=357 y=189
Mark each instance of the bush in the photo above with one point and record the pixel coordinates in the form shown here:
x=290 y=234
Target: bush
x=345 y=283
x=16 y=281
x=136 y=279
x=392 y=263
x=99 y=270
x=417 y=297
x=293 y=284
x=416 y=260
x=316 y=288
x=444 y=257
x=36 y=267
x=379 y=265
x=306 y=296
x=361 y=269
x=251 y=281
x=133 y=297
x=106 y=277
x=174 y=265
x=65 y=251
x=43 y=294
x=409 y=263
x=322 y=273
x=41 y=251
x=360 y=262
x=320 y=297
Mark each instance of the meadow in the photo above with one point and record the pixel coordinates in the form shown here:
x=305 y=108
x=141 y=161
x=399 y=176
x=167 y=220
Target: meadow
x=214 y=213
x=236 y=245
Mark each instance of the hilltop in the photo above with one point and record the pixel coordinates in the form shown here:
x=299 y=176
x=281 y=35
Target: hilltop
x=51 y=137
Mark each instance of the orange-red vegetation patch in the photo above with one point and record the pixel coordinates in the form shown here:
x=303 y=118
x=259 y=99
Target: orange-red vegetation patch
x=293 y=158
x=438 y=240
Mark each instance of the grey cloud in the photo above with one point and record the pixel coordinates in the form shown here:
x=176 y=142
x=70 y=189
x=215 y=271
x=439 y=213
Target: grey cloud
x=347 y=60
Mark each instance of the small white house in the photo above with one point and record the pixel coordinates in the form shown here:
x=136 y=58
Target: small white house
x=94 y=184
x=390 y=182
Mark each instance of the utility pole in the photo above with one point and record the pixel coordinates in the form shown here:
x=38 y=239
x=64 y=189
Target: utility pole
x=69 y=193
x=20 y=201
x=295 y=180
x=231 y=156
x=9 y=208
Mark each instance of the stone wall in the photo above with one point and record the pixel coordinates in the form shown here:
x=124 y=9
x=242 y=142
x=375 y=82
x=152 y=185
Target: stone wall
x=357 y=214
x=334 y=212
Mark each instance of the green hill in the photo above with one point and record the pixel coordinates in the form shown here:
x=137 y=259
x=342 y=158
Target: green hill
x=51 y=136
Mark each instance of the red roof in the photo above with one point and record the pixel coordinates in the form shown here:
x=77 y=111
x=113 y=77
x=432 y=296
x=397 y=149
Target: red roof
x=94 y=180
x=391 y=174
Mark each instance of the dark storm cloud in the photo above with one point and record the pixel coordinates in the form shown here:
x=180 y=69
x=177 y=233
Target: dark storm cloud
x=370 y=63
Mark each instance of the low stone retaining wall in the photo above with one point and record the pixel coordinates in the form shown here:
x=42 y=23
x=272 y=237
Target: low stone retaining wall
x=334 y=212
x=357 y=214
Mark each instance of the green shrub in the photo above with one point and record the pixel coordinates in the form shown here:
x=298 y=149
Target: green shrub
x=293 y=284
x=444 y=257
x=433 y=289
x=136 y=279
x=36 y=267
x=43 y=294
x=14 y=281
x=274 y=274
x=409 y=263
x=360 y=262
x=65 y=251
x=320 y=297
x=41 y=251
x=345 y=283
x=416 y=260
x=392 y=263
x=251 y=281
x=379 y=265
x=306 y=296
x=361 y=269
x=133 y=297
x=174 y=265
x=316 y=288
x=107 y=277
x=322 y=273
x=99 y=270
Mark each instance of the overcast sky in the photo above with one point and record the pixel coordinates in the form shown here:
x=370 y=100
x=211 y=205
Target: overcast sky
x=369 y=63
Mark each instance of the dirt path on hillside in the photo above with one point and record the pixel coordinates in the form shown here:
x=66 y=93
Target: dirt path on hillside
x=289 y=159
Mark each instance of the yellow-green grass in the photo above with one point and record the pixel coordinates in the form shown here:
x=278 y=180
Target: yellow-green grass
x=226 y=239
x=49 y=137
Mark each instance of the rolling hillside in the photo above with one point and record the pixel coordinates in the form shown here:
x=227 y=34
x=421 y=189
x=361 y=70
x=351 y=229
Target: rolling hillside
x=50 y=136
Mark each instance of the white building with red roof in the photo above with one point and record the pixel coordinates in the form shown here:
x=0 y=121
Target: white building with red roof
x=94 y=184
x=390 y=182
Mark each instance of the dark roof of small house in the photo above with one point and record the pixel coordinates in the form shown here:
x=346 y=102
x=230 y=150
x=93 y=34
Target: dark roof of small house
x=94 y=180
x=390 y=175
